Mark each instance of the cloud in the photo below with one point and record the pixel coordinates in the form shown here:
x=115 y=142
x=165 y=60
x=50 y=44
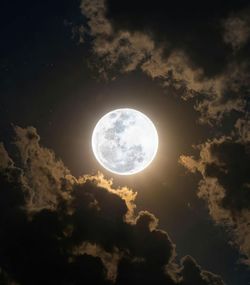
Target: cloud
x=78 y=230
x=95 y=12
x=225 y=184
x=44 y=176
x=237 y=30
x=242 y=129
x=193 y=274
x=5 y=160
x=211 y=75
x=109 y=260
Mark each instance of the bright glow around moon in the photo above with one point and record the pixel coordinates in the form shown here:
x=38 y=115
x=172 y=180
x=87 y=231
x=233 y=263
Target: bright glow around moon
x=125 y=141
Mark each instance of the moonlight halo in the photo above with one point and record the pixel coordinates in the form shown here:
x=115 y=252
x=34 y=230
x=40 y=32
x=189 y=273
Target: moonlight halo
x=125 y=141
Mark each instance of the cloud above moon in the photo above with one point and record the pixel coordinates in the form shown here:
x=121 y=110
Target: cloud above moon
x=123 y=43
x=59 y=229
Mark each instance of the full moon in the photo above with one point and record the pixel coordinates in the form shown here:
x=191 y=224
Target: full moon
x=125 y=141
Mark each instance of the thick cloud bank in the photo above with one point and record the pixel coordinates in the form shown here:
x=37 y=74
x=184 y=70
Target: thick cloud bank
x=57 y=229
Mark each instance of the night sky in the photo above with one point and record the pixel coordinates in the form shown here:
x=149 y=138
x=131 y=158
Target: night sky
x=183 y=220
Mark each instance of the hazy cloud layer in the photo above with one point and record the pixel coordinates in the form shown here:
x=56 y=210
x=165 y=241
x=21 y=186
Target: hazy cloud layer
x=125 y=43
x=57 y=229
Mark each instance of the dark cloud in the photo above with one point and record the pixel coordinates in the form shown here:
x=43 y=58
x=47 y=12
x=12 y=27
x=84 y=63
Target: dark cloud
x=193 y=274
x=231 y=168
x=237 y=29
x=86 y=232
x=192 y=26
x=242 y=129
x=189 y=46
x=224 y=164
x=139 y=272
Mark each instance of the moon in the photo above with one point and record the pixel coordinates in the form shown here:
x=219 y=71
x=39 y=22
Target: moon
x=125 y=141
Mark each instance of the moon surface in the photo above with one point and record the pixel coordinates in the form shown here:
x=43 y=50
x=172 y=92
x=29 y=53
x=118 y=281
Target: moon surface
x=125 y=141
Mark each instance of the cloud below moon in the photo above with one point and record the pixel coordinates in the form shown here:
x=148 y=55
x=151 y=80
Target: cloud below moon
x=59 y=229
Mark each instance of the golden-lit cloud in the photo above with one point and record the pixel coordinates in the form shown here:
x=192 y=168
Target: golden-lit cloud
x=225 y=185
x=83 y=225
x=125 y=51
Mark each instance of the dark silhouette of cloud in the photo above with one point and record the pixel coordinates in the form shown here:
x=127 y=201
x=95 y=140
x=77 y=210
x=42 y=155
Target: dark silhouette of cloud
x=192 y=273
x=224 y=164
x=190 y=46
x=192 y=26
x=57 y=229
